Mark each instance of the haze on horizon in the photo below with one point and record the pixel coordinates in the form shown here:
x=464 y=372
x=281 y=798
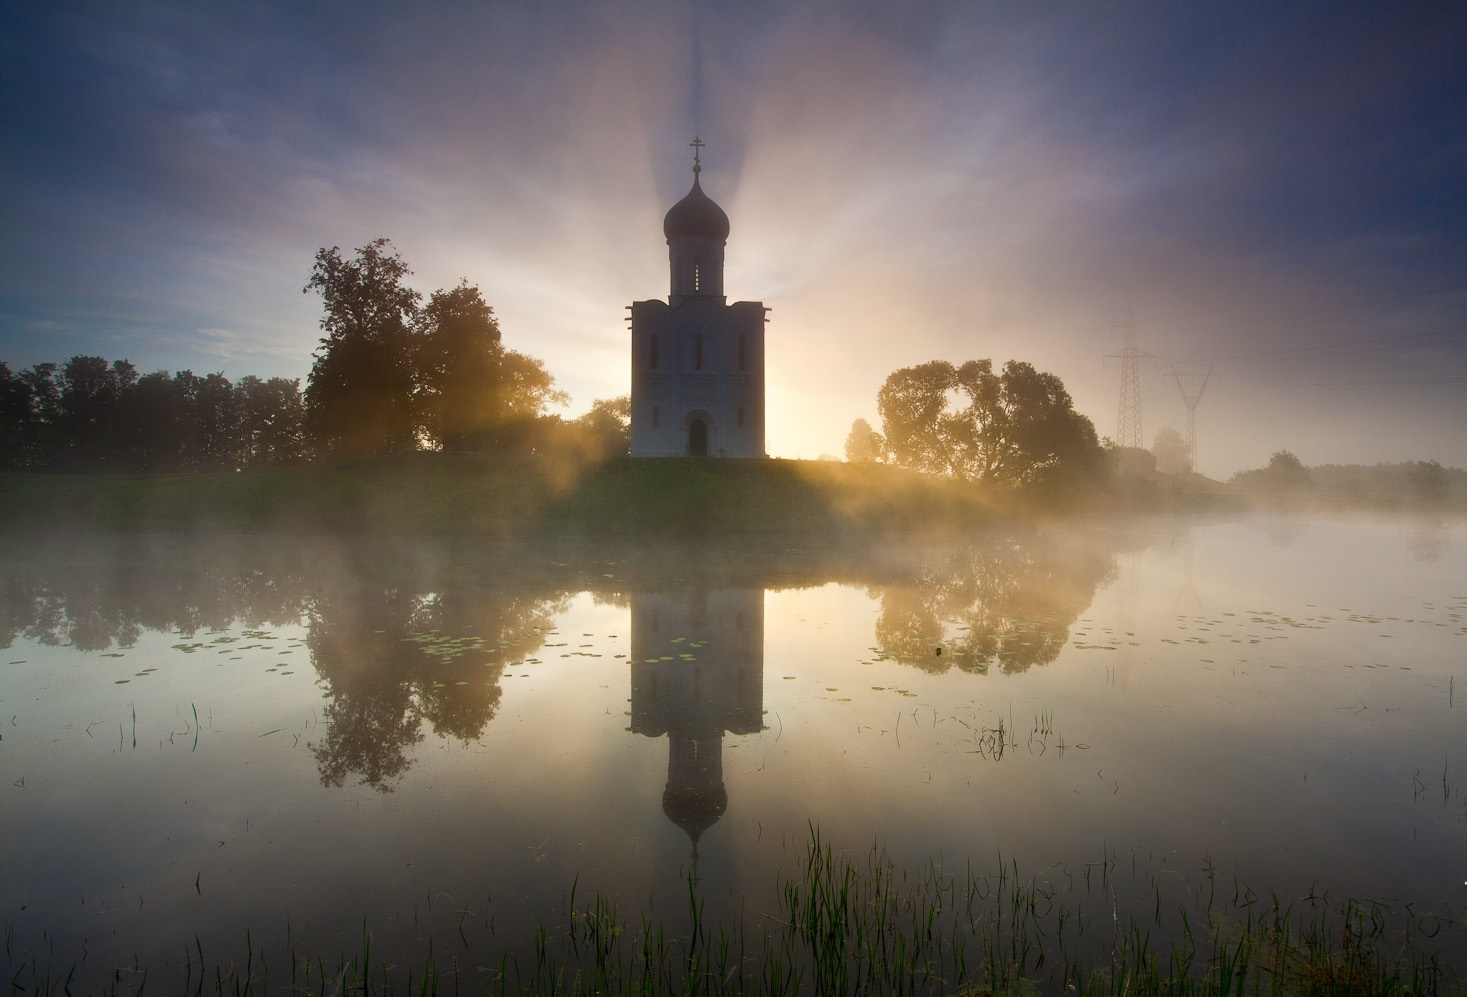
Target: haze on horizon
x=1275 y=190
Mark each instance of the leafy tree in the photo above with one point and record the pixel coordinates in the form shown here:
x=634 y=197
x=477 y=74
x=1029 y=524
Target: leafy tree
x=1131 y=462
x=473 y=393
x=607 y=428
x=42 y=425
x=1171 y=452
x=272 y=421
x=601 y=433
x=90 y=407
x=912 y=404
x=359 y=396
x=864 y=443
x=1429 y=481
x=16 y=429
x=212 y=437
x=156 y=419
x=1284 y=473
x=1014 y=428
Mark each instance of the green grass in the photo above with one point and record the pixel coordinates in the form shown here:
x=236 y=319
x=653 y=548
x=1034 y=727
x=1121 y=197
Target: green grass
x=844 y=925
x=500 y=497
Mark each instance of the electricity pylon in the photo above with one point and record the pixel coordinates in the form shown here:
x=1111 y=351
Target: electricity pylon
x=1192 y=401
x=1128 y=431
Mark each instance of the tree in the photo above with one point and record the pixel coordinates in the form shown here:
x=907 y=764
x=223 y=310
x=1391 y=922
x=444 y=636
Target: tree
x=911 y=403
x=473 y=393
x=1284 y=473
x=272 y=421
x=16 y=420
x=41 y=426
x=1131 y=462
x=1014 y=428
x=359 y=396
x=156 y=419
x=607 y=427
x=214 y=420
x=89 y=410
x=864 y=444
x=1171 y=452
x=1428 y=480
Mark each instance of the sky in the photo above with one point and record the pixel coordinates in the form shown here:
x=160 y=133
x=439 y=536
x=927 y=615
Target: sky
x=1275 y=192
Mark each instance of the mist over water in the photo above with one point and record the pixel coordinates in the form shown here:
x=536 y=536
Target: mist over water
x=206 y=738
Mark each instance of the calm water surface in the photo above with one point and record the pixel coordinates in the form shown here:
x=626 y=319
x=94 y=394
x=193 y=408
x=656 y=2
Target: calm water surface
x=197 y=741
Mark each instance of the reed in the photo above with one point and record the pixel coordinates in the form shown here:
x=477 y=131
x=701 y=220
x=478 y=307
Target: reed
x=853 y=925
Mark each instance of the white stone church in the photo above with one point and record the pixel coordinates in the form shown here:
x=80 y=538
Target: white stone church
x=697 y=361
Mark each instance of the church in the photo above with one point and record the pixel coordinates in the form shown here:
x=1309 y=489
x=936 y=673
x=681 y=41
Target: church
x=697 y=361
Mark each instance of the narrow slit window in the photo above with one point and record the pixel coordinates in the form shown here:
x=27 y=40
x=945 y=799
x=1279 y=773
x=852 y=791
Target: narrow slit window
x=741 y=418
x=656 y=421
x=698 y=353
x=652 y=352
x=743 y=352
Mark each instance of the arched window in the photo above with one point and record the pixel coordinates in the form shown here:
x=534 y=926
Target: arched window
x=743 y=351
x=741 y=418
x=652 y=352
x=656 y=416
x=698 y=352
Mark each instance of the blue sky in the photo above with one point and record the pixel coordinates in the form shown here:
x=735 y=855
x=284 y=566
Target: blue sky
x=1276 y=190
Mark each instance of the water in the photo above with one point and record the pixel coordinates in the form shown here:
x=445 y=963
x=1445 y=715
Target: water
x=299 y=741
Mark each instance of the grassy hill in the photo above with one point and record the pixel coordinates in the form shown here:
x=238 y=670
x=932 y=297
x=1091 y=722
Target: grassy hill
x=502 y=496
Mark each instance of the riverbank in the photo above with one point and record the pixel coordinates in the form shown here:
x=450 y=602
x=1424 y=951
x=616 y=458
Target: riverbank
x=471 y=495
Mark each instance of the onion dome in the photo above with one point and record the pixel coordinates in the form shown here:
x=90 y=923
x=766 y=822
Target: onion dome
x=695 y=810
x=696 y=216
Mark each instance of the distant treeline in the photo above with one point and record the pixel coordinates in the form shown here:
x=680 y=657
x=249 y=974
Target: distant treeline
x=89 y=414
x=1412 y=483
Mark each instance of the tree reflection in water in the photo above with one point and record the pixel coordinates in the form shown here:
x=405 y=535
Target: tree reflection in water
x=1002 y=602
x=98 y=594
x=392 y=662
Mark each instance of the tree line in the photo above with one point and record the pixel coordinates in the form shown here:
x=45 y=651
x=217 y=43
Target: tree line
x=391 y=374
x=89 y=414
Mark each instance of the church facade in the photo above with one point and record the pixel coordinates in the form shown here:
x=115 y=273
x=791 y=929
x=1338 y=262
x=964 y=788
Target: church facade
x=697 y=361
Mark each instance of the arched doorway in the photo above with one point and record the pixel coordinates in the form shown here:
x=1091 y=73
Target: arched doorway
x=697 y=438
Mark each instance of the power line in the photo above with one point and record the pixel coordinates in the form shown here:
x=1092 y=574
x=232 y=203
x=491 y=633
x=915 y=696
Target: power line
x=1346 y=349
x=1337 y=384
x=1334 y=308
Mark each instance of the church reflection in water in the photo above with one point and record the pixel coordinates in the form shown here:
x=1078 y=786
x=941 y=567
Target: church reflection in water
x=697 y=674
